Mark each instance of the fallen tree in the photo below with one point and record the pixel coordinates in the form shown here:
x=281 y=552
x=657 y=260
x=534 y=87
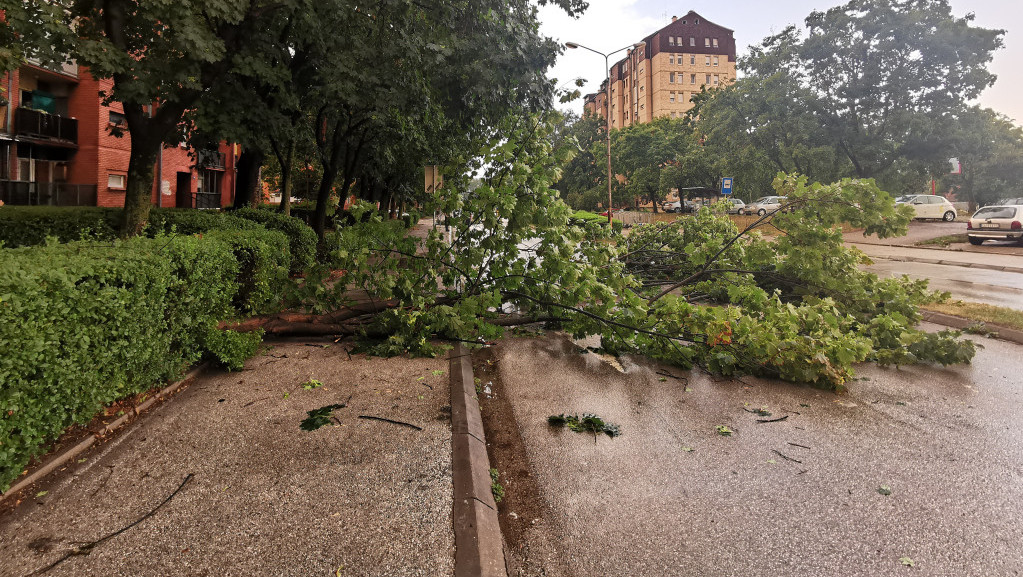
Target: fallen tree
x=794 y=305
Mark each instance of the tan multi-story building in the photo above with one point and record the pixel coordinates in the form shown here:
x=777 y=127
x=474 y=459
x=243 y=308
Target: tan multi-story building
x=659 y=77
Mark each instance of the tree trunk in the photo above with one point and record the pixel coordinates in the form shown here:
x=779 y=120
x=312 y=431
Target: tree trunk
x=138 y=194
x=249 y=163
x=286 y=166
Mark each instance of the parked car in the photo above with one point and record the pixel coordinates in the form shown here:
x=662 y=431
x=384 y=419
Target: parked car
x=764 y=205
x=996 y=223
x=929 y=206
x=672 y=206
x=738 y=206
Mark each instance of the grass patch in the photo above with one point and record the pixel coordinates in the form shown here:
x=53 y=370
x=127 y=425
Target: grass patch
x=944 y=241
x=989 y=314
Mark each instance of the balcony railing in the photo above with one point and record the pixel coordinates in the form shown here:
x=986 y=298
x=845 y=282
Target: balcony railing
x=207 y=200
x=30 y=122
x=21 y=192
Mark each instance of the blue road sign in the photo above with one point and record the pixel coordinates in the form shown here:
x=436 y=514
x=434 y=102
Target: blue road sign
x=726 y=185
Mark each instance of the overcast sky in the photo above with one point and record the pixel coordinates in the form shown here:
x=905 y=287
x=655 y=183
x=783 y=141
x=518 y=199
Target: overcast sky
x=612 y=24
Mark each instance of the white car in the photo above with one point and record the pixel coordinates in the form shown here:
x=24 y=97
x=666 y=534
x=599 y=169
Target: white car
x=738 y=206
x=996 y=223
x=929 y=206
x=764 y=205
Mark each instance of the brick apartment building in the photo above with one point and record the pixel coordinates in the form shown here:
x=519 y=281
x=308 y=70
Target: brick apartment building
x=660 y=77
x=57 y=147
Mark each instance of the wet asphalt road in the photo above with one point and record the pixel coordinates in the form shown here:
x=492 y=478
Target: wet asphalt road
x=796 y=497
x=1003 y=289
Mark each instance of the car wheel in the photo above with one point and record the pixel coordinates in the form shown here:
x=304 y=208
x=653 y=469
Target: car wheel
x=740 y=212
x=761 y=212
x=976 y=241
x=949 y=216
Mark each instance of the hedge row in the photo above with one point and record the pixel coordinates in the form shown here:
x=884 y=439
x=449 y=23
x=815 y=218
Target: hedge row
x=31 y=225
x=84 y=324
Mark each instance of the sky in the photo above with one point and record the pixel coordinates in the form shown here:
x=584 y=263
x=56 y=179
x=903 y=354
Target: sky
x=613 y=24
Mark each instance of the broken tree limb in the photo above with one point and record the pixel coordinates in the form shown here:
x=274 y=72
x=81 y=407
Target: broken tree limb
x=772 y=420
x=87 y=548
x=392 y=421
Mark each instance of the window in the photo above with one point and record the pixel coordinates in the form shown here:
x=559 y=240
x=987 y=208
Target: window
x=715 y=61
x=715 y=43
x=683 y=21
x=692 y=41
x=680 y=41
x=671 y=97
x=671 y=40
x=715 y=79
x=671 y=59
x=706 y=42
x=671 y=77
x=706 y=60
x=692 y=79
x=117 y=119
x=116 y=181
x=674 y=115
x=692 y=59
x=708 y=79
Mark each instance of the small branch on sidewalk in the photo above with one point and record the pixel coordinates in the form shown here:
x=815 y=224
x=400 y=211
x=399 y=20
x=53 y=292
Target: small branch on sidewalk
x=798 y=445
x=772 y=420
x=786 y=457
x=402 y=423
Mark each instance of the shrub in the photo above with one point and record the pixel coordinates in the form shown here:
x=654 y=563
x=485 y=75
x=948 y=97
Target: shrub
x=301 y=238
x=263 y=263
x=191 y=221
x=30 y=225
x=84 y=324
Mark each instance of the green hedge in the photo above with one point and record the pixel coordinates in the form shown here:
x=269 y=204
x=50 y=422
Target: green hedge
x=580 y=217
x=263 y=264
x=301 y=238
x=84 y=324
x=30 y=225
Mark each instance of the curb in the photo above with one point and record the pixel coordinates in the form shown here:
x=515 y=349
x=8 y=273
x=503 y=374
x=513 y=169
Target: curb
x=1013 y=269
x=73 y=452
x=479 y=547
x=1001 y=333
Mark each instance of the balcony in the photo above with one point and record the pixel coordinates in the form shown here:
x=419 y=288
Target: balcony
x=33 y=123
x=24 y=193
x=69 y=68
x=207 y=200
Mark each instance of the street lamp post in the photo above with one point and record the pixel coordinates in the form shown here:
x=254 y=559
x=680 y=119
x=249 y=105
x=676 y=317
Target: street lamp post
x=607 y=111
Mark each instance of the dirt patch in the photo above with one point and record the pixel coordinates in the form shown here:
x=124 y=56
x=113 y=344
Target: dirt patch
x=528 y=534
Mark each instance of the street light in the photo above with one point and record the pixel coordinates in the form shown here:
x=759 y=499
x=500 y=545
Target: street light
x=607 y=110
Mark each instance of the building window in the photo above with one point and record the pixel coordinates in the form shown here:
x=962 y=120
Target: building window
x=671 y=40
x=715 y=61
x=683 y=21
x=692 y=59
x=674 y=115
x=116 y=181
x=671 y=59
x=692 y=79
x=692 y=41
x=706 y=42
x=708 y=79
x=117 y=119
x=715 y=79
x=671 y=97
x=671 y=78
x=706 y=60
x=715 y=43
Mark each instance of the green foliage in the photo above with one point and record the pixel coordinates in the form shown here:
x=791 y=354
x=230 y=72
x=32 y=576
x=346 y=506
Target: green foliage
x=263 y=264
x=587 y=423
x=495 y=487
x=301 y=238
x=319 y=417
x=84 y=324
x=31 y=225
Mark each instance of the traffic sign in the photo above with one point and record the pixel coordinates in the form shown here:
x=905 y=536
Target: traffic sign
x=726 y=185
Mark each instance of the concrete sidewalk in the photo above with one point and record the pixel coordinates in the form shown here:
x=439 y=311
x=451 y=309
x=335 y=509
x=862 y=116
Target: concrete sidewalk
x=355 y=497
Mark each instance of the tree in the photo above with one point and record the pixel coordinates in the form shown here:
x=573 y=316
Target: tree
x=989 y=148
x=883 y=76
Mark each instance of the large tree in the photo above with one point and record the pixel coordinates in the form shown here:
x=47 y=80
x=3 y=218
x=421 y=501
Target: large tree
x=989 y=148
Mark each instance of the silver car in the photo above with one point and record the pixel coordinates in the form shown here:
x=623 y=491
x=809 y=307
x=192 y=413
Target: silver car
x=764 y=205
x=738 y=206
x=996 y=223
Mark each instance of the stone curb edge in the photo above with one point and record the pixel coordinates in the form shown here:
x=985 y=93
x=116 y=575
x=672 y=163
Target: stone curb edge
x=1002 y=333
x=479 y=547
x=73 y=452
x=1013 y=269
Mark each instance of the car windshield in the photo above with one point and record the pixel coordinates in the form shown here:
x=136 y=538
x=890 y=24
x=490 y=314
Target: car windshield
x=996 y=212
x=905 y=198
